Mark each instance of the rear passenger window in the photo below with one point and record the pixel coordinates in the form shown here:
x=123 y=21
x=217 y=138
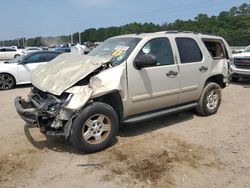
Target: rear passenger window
x=215 y=49
x=189 y=50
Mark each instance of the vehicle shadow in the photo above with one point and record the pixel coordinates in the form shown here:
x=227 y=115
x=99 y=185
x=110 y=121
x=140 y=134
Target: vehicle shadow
x=23 y=86
x=57 y=144
x=131 y=130
x=242 y=82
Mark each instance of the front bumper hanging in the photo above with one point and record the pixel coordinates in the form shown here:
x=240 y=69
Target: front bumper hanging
x=26 y=111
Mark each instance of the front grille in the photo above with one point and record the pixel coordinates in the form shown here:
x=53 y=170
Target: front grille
x=46 y=100
x=242 y=63
x=38 y=96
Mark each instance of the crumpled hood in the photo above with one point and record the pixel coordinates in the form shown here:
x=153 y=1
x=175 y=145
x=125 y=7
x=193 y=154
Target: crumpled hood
x=64 y=71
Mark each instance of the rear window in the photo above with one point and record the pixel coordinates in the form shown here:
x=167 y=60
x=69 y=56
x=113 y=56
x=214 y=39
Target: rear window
x=189 y=50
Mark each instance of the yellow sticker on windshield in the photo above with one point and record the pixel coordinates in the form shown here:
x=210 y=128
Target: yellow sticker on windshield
x=119 y=50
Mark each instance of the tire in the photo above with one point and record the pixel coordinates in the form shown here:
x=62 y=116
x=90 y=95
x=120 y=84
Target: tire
x=235 y=79
x=95 y=128
x=17 y=55
x=7 y=81
x=210 y=99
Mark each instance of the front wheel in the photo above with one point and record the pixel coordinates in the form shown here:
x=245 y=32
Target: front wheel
x=210 y=99
x=7 y=81
x=95 y=128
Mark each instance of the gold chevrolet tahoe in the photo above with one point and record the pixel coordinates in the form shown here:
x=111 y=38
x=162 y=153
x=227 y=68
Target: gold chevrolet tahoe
x=127 y=79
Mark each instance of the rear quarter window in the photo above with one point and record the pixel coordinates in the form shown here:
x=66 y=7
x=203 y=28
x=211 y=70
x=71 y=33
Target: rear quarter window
x=189 y=50
x=215 y=48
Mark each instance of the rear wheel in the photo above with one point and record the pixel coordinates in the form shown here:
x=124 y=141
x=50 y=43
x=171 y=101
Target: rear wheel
x=210 y=99
x=7 y=81
x=95 y=128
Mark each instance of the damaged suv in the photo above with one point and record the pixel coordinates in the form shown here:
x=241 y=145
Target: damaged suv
x=127 y=79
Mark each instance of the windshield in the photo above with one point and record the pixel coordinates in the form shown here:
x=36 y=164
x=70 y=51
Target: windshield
x=17 y=59
x=118 y=48
x=247 y=49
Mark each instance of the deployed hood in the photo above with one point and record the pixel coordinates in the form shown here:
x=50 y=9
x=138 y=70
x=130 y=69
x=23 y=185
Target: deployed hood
x=64 y=71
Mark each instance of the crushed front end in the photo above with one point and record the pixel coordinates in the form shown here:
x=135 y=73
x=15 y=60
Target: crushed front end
x=46 y=111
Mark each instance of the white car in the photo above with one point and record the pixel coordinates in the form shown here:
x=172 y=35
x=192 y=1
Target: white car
x=81 y=49
x=7 y=53
x=18 y=71
x=32 y=49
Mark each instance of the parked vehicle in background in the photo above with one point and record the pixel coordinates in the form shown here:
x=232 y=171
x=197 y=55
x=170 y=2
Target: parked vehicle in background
x=18 y=47
x=64 y=47
x=126 y=79
x=81 y=49
x=18 y=71
x=7 y=53
x=33 y=49
x=240 y=67
x=90 y=45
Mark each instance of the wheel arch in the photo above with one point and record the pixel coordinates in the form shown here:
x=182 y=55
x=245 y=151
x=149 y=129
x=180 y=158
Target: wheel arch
x=218 y=78
x=114 y=99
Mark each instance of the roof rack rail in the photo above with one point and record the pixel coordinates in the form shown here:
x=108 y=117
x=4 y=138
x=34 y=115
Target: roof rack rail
x=173 y=31
x=180 y=31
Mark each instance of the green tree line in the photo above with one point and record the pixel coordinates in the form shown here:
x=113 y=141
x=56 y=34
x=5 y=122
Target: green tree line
x=233 y=25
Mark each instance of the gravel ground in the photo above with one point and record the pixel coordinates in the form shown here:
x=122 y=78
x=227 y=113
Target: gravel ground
x=181 y=150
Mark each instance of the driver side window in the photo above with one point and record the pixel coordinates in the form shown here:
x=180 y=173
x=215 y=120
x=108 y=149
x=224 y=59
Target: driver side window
x=161 y=49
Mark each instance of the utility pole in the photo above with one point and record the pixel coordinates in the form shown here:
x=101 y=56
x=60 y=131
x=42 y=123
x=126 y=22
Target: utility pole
x=18 y=42
x=23 y=41
x=72 y=40
x=80 y=40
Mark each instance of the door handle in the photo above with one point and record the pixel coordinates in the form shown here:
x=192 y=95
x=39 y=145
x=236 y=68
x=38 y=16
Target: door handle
x=172 y=73
x=203 y=69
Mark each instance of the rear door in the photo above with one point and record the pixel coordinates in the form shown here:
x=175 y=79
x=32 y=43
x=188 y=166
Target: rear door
x=193 y=66
x=24 y=70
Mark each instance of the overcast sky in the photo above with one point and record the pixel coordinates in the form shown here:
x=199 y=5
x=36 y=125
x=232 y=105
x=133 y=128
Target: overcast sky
x=29 y=18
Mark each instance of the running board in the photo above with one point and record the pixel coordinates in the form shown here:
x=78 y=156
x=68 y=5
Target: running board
x=155 y=114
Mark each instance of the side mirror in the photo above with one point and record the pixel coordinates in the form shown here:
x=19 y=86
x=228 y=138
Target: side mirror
x=145 y=60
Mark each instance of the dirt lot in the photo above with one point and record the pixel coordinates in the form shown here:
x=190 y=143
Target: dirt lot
x=183 y=150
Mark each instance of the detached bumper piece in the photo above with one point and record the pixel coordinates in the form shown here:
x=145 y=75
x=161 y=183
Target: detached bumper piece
x=26 y=111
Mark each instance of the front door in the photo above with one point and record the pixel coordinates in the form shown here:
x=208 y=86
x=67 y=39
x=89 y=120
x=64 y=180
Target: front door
x=156 y=87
